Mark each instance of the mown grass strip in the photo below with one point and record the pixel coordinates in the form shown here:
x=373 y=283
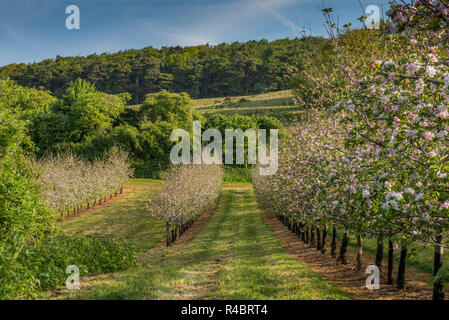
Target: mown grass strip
x=235 y=256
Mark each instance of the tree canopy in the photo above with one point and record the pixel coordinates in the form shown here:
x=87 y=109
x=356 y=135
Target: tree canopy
x=201 y=71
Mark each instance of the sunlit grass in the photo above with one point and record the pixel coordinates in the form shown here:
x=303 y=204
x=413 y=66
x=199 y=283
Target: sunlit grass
x=419 y=255
x=265 y=99
x=235 y=256
x=125 y=218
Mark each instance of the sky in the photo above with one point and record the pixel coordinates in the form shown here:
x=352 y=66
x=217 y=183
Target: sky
x=32 y=30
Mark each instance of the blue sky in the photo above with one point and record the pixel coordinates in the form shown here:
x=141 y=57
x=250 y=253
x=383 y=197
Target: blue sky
x=32 y=30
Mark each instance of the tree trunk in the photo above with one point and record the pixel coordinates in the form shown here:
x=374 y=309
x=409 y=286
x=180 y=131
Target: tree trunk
x=173 y=233
x=343 y=247
x=323 y=241
x=167 y=233
x=390 y=262
x=334 y=242
x=359 y=252
x=307 y=234
x=438 y=288
x=312 y=237
x=303 y=234
x=121 y=189
x=318 y=239
x=379 y=252
x=400 y=282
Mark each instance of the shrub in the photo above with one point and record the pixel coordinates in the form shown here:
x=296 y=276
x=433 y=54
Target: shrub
x=28 y=271
x=237 y=174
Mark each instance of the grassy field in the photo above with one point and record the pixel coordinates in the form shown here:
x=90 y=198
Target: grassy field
x=124 y=219
x=235 y=256
x=278 y=104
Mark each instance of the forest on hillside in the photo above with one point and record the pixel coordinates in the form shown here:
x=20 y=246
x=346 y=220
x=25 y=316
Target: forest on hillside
x=201 y=71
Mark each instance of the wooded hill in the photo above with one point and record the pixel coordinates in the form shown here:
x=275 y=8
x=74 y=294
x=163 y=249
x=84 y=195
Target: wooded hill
x=202 y=71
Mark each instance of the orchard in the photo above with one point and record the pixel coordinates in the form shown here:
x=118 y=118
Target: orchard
x=188 y=192
x=68 y=182
x=371 y=159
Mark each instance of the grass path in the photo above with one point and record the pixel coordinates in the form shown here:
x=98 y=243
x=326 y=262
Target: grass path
x=234 y=256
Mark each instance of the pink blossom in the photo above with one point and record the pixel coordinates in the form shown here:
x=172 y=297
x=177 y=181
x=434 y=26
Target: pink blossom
x=429 y=135
x=444 y=206
x=413 y=68
x=430 y=71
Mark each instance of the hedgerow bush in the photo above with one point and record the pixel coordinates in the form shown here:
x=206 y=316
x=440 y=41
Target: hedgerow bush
x=41 y=265
x=237 y=174
x=34 y=253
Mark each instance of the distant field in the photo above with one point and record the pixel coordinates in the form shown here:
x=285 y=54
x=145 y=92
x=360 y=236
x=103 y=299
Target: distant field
x=281 y=98
x=278 y=104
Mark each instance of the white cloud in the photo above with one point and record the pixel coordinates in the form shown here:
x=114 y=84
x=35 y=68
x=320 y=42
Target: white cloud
x=217 y=22
x=267 y=6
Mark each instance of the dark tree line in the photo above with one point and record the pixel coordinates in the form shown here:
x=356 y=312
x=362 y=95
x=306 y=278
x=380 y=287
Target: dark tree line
x=201 y=71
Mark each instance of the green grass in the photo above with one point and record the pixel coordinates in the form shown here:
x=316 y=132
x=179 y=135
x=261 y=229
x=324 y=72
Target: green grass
x=235 y=256
x=265 y=99
x=125 y=218
x=419 y=255
x=278 y=104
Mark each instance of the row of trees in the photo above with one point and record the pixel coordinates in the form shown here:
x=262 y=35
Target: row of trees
x=376 y=164
x=68 y=182
x=188 y=192
x=201 y=71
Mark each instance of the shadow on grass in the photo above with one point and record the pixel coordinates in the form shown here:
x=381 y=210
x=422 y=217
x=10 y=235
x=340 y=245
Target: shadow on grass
x=235 y=256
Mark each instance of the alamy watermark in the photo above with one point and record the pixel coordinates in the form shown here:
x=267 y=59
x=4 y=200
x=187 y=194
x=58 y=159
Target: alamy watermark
x=73 y=280
x=373 y=281
x=73 y=21
x=212 y=153
x=373 y=19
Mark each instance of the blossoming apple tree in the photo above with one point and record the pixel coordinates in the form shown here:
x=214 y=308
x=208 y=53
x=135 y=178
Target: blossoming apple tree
x=376 y=164
x=186 y=195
